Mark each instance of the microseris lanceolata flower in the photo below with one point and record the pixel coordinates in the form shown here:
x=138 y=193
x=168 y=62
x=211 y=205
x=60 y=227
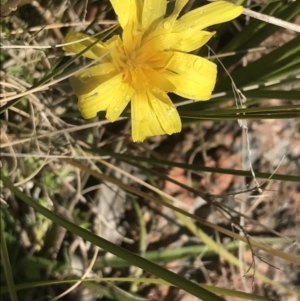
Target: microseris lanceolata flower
x=147 y=61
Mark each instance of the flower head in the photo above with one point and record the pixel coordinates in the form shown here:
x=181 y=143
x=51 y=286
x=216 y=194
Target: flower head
x=149 y=60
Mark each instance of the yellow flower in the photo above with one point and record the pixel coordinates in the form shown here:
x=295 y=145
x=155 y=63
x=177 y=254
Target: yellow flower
x=148 y=61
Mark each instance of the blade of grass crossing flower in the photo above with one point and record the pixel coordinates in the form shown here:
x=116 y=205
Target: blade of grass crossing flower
x=101 y=13
x=79 y=54
x=80 y=42
x=58 y=71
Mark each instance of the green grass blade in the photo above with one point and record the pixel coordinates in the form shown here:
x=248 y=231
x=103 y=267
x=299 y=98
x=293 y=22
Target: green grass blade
x=113 y=292
x=261 y=68
x=256 y=31
x=174 y=254
x=236 y=172
x=219 y=290
x=55 y=71
x=6 y=263
x=136 y=260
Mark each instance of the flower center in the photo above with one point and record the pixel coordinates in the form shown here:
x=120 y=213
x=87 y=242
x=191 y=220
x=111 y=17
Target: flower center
x=132 y=64
x=132 y=61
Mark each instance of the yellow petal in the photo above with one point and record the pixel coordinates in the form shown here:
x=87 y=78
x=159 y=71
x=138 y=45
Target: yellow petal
x=194 y=77
x=99 y=98
x=179 y=5
x=87 y=80
x=153 y=114
x=160 y=33
x=159 y=62
x=144 y=122
x=119 y=102
x=193 y=40
x=160 y=42
x=158 y=80
x=152 y=10
x=131 y=37
x=139 y=8
x=166 y=25
x=165 y=111
x=207 y=15
x=100 y=49
x=126 y=10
